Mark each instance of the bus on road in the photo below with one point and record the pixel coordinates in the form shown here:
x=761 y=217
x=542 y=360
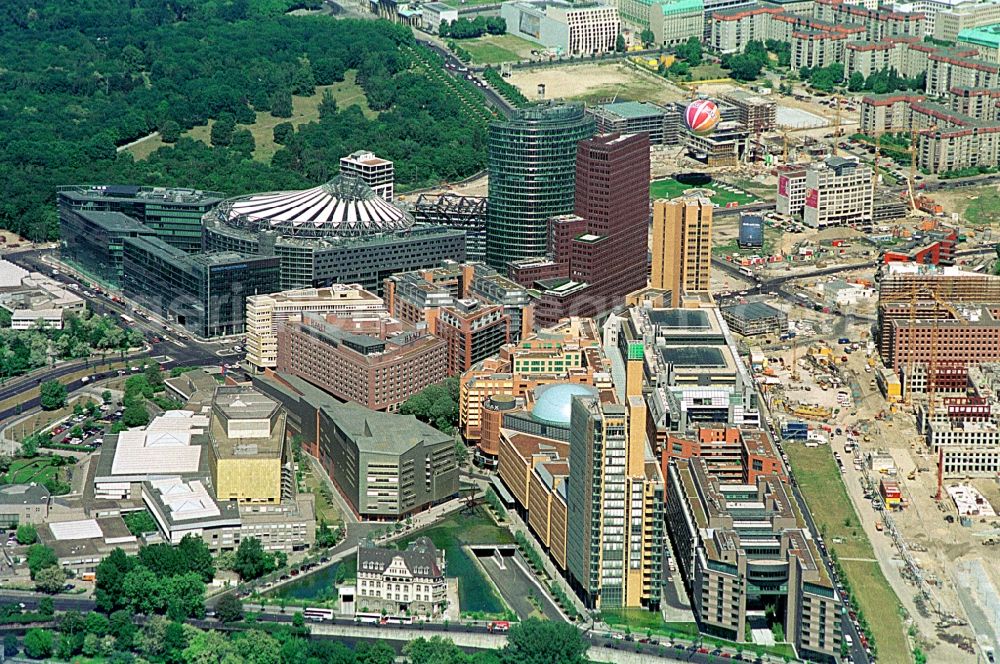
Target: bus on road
x=317 y=614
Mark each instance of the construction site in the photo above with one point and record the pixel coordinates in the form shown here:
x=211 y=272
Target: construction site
x=895 y=391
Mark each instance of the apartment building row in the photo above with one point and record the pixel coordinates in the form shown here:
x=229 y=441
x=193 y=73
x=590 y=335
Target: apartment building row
x=963 y=133
x=818 y=38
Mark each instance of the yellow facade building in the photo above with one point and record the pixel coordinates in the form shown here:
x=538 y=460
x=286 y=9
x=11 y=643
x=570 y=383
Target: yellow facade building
x=682 y=248
x=247 y=454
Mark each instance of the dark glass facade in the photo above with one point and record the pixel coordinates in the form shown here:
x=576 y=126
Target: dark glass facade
x=172 y=214
x=532 y=165
x=205 y=293
x=92 y=241
x=309 y=262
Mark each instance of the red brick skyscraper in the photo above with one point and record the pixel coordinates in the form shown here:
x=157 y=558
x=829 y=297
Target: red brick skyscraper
x=599 y=254
x=612 y=194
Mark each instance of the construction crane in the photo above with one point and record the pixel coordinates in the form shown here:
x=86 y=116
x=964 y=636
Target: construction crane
x=912 y=150
x=836 y=125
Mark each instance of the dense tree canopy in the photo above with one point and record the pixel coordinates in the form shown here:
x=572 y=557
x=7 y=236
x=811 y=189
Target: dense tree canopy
x=84 y=77
x=436 y=404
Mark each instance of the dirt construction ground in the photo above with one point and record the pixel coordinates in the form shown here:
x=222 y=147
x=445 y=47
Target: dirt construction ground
x=595 y=82
x=960 y=602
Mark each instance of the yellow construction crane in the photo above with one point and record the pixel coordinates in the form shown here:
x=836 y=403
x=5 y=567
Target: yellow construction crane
x=912 y=132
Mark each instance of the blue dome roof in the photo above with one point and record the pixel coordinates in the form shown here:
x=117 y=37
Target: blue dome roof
x=554 y=402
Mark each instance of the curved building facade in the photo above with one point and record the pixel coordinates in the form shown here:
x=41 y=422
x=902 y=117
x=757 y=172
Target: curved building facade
x=338 y=232
x=532 y=175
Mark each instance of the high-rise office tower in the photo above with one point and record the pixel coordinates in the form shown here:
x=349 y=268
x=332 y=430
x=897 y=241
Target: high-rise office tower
x=532 y=169
x=682 y=246
x=614 y=533
x=377 y=173
x=612 y=194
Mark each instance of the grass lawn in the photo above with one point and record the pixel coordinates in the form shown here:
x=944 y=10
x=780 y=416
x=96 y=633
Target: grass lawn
x=304 y=110
x=819 y=479
x=642 y=622
x=494 y=49
x=325 y=510
x=475 y=592
x=733 y=247
x=24 y=471
x=469 y=3
x=671 y=188
x=708 y=71
x=985 y=209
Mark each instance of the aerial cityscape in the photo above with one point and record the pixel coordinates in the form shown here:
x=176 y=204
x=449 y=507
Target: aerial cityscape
x=500 y=331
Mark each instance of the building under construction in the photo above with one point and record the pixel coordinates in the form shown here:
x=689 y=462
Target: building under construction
x=964 y=432
x=934 y=323
x=758 y=115
x=726 y=146
x=467 y=213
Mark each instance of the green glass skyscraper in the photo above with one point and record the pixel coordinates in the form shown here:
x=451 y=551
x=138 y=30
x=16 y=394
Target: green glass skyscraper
x=532 y=167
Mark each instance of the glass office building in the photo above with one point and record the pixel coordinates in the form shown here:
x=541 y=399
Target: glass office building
x=172 y=214
x=205 y=293
x=92 y=241
x=338 y=232
x=532 y=175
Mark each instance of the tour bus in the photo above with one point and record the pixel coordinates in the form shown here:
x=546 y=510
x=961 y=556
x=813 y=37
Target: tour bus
x=499 y=626
x=368 y=618
x=399 y=620
x=128 y=319
x=317 y=614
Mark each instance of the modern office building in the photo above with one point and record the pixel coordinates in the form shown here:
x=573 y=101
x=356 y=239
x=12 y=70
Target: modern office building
x=23 y=503
x=910 y=312
x=570 y=353
x=755 y=318
x=948 y=23
x=599 y=254
x=568 y=28
x=682 y=247
x=836 y=192
x=472 y=331
x=420 y=297
x=386 y=466
x=340 y=232
x=676 y=21
x=757 y=114
x=695 y=375
x=615 y=497
x=741 y=547
x=791 y=196
x=92 y=241
x=172 y=214
x=204 y=293
x=532 y=177
x=248 y=458
x=402 y=583
x=378 y=174
x=839 y=192
x=734 y=455
x=376 y=360
x=631 y=117
x=466 y=213
x=612 y=194
x=266 y=313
